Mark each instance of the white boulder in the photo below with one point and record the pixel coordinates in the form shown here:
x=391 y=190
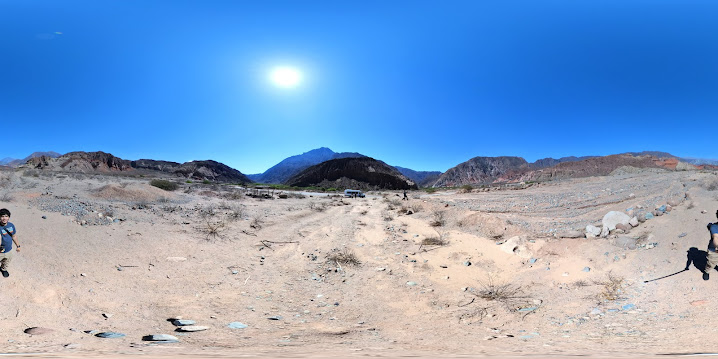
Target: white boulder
x=611 y=219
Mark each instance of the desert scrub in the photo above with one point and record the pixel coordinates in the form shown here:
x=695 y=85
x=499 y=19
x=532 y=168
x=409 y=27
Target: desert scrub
x=434 y=241
x=430 y=190
x=711 y=184
x=345 y=256
x=438 y=219
x=7 y=197
x=164 y=184
x=467 y=188
x=510 y=295
x=612 y=288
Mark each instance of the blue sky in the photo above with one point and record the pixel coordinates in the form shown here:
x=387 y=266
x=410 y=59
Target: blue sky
x=418 y=84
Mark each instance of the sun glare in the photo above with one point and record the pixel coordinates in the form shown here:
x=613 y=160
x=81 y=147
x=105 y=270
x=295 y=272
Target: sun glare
x=285 y=77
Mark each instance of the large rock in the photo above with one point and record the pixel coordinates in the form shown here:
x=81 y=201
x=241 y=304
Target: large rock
x=593 y=230
x=611 y=219
x=626 y=242
x=571 y=234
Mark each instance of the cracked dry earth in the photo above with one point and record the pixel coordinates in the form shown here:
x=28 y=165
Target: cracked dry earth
x=432 y=283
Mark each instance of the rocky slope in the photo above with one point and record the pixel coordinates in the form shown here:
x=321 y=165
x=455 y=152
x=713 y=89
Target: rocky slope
x=421 y=178
x=101 y=162
x=14 y=162
x=482 y=170
x=360 y=173
x=291 y=166
x=487 y=170
x=83 y=162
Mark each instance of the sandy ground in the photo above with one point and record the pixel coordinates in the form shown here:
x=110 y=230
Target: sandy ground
x=210 y=254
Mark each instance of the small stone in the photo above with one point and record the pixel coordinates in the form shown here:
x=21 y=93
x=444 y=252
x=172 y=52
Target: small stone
x=704 y=211
x=161 y=338
x=109 y=335
x=467 y=263
x=38 y=331
x=586 y=269
x=628 y=307
x=633 y=222
x=83 y=275
x=44 y=217
x=192 y=328
x=411 y=284
x=565 y=274
x=183 y=322
x=107 y=315
x=237 y=325
x=682 y=235
x=276 y=317
x=235 y=272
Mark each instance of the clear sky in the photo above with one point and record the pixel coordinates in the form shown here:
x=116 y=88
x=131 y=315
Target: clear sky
x=418 y=84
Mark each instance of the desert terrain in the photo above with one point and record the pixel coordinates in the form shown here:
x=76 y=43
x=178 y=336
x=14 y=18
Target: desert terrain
x=453 y=273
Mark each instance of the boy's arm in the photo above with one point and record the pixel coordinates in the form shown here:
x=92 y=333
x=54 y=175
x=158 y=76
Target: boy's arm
x=17 y=245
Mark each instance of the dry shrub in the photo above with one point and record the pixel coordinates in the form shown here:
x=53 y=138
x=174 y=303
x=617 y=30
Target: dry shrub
x=511 y=296
x=319 y=207
x=257 y=222
x=164 y=184
x=438 y=219
x=434 y=241
x=416 y=207
x=387 y=216
x=711 y=184
x=467 y=188
x=612 y=287
x=345 y=256
x=7 y=197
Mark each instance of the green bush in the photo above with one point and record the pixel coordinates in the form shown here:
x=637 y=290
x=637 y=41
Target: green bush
x=164 y=184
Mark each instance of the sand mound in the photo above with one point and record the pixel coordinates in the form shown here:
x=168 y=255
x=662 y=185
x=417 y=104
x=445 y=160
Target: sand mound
x=121 y=193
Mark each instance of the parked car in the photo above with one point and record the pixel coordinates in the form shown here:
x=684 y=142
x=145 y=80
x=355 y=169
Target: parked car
x=353 y=193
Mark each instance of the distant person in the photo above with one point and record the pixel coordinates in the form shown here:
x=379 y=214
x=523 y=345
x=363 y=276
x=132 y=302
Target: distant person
x=405 y=197
x=712 y=257
x=9 y=235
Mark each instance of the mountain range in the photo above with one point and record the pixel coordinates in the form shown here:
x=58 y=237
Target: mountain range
x=325 y=168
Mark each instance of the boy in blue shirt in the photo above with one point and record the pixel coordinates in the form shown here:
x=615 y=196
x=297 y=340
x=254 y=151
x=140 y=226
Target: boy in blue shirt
x=712 y=257
x=8 y=232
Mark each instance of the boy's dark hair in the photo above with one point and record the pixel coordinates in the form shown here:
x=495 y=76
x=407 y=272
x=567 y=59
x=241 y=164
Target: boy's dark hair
x=4 y=211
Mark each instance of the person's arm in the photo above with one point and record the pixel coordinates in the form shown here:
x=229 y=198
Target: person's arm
x=17 y=245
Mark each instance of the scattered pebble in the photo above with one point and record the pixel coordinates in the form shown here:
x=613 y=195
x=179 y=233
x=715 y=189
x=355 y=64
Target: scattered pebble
x=237 y=325
x=109 y=335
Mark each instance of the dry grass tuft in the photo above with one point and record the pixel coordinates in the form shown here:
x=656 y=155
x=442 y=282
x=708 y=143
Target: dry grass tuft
x=434 y=241
x=438 y=219
x=345 y=256
x=511 y=296
x=612 y=288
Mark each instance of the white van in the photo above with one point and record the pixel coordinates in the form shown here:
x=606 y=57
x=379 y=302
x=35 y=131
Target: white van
x=353 y=193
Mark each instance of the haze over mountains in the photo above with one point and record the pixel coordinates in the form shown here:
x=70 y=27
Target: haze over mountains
x=325 y=168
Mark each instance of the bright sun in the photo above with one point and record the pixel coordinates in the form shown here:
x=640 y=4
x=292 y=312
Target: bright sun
x=285 y=77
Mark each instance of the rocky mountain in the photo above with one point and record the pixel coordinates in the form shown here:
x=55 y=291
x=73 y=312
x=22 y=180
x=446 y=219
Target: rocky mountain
x=699 y=161
x=550 y=162
x=355 y=172
x=14 y=162
x=482 y=170
x=486 y=170
x=83 y=162
x=198 y=170
x=89 y=162
x=290 y=166
x=421 y=178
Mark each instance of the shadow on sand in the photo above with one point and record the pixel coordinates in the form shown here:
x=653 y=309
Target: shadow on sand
x=696 y=257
